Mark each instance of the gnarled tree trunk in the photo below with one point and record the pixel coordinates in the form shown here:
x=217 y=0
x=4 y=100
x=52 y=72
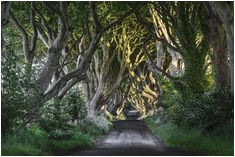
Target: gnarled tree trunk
x=225 y=12
x=218 y=42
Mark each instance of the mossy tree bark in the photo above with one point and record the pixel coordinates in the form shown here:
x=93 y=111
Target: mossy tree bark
x=218 y=43
x=225 y=12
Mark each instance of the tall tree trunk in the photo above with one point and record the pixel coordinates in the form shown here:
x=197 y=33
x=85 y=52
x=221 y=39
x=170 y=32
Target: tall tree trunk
x=194 y=76
x=159 y=53
x=46 y=75
x=225 y=12
x=92 y=104
x=218 y=42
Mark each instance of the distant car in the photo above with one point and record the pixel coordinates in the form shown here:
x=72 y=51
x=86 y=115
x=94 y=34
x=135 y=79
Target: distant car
x=133 y=114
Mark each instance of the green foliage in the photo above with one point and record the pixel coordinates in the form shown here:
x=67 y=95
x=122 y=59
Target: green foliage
x=53 y=135
x=23 y=142
x=189 y=27
x=10 y=86
x=22 y=11
x=57 y=113
x=20 y=98
x=28 y=144
x=207 y=110
x=35 y=141
x=194 y=76
x=90 y=128
x=59 y=134
x=78 y=11
x=217 y=142
x=204 y=110
x=14 y=91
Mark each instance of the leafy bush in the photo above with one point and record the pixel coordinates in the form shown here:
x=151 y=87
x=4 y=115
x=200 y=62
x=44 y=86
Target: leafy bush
x=12 y=94
x=207 y=110
x=58 y=113
x=19 y=103
x=90 y=128
x=35 y=141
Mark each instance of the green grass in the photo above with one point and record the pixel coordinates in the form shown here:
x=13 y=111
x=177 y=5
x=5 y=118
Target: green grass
x=31 y=144
x=217 y=142
x=37 y=142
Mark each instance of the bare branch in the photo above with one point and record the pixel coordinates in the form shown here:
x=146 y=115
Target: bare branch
x=84 y=64
x=173 y=40
x=94 y=16
x=162 y=40
x=68 y=86
x=67 y=55
x=5 y=6
x=86 y=28
x=35 y=33
x=24 y=35
x=62 y=14
x=152 y=63
x=57 y=89
x=97 y=66
x=77 y=73
x=45 y=38
x=150 y=29
x=42 y=35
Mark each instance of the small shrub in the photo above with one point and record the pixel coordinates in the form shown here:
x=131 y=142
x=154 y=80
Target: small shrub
x=58 y=113
x=89 y=128
x=59 y=134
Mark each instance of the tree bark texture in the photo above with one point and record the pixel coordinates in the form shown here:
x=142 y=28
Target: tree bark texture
x=225 y=12
x=218 y=42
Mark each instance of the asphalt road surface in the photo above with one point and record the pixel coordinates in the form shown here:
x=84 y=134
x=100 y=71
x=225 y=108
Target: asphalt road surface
x=130 y=138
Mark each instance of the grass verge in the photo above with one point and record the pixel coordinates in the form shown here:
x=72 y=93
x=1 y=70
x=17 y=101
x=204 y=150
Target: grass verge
x=220 y=141
x=34 y=141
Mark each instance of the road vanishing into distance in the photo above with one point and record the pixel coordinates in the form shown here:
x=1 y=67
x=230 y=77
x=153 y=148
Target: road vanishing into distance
x=130 y=138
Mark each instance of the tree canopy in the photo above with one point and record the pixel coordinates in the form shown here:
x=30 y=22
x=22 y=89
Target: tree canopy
x=110 y=54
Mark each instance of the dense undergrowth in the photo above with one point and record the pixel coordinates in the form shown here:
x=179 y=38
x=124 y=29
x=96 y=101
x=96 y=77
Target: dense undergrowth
x=217 y=142
x=36 y=141
x=198 y=123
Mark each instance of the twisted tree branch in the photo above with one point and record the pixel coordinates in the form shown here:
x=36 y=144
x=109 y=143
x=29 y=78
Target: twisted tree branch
x=151 y=63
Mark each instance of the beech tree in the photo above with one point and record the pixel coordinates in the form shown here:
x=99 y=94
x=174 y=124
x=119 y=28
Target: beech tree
x=218 y=42
x=179 y=32
x=225 y=13
x=120 y=52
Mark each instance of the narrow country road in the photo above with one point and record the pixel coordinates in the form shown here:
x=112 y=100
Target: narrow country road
x=129 y=137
